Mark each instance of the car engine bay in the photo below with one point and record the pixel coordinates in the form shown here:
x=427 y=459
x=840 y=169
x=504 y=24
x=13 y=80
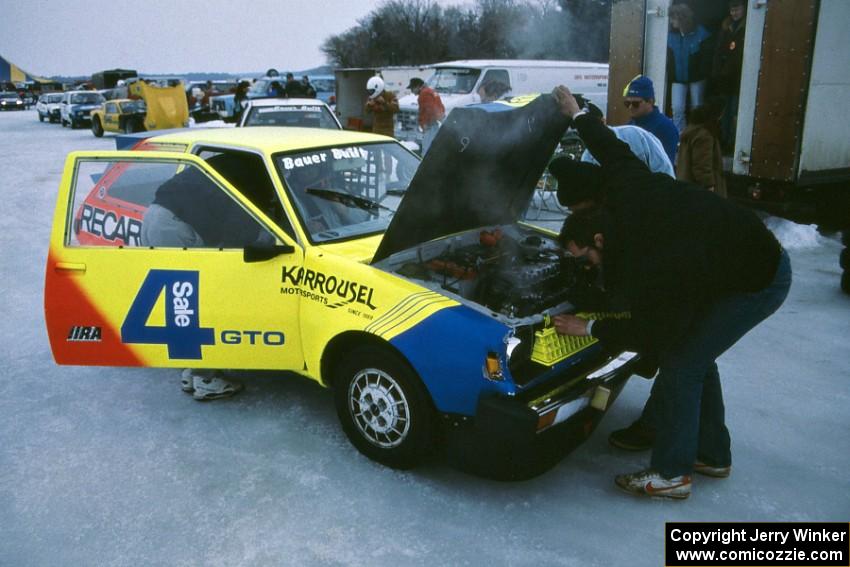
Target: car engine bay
x=512 y=271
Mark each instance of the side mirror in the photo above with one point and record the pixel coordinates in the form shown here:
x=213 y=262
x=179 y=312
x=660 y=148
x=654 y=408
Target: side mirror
x=263 y=252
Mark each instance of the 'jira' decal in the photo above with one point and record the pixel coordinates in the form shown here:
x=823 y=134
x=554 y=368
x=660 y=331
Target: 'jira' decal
x=182 y=332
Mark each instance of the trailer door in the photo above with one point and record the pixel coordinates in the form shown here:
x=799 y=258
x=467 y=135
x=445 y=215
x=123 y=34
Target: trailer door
x=638 y=47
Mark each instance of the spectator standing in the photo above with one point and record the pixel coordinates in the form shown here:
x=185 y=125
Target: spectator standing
x=700 y=159
x=276 y=90
x=294 y=89
x=431 y=111
x=240 y=98
x=383 y=104
x=640 y=101
x=688 y=45
x=307 y=88
x=726 y=67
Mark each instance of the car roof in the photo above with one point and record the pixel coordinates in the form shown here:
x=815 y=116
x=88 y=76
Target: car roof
x=286 y=102
x=270 y=139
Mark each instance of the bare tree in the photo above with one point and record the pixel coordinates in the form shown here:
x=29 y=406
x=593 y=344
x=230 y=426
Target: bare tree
x=413 y=32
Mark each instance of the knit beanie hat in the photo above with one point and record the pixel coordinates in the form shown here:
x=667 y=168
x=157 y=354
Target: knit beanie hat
x=640 y=86
x=577 y=181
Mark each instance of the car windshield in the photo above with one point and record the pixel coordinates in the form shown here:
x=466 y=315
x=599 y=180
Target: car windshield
x=305 y=115
x=54 y=98
x=8 y=95
x=87 y=98
x=347 y=191
x=132 y=106
x=454 y=80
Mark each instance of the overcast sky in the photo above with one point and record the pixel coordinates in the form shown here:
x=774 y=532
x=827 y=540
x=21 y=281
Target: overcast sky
x=60 y=37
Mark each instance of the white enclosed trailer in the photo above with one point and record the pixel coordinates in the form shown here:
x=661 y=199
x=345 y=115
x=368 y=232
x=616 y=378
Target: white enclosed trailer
x=457 y=83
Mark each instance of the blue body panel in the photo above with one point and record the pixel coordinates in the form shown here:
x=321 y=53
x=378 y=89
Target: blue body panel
x=449 y=350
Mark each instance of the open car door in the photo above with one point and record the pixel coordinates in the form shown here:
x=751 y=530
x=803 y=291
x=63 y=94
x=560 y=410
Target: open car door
x=111 y=299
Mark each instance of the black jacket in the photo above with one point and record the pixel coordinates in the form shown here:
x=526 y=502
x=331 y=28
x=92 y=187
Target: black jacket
x=671 y=248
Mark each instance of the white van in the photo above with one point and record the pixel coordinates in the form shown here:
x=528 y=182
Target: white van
x=457 y=83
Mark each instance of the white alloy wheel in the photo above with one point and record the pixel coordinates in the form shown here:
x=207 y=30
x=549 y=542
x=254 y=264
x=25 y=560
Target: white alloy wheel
x=379 y=408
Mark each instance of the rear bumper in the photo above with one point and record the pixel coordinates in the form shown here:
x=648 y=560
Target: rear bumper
x=514 y=438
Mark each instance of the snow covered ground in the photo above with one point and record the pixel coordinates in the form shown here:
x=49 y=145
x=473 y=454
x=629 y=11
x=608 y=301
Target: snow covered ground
x=113 y=466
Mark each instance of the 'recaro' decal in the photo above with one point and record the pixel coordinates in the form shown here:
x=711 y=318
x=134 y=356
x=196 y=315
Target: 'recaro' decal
x=100 y=222
x=318 y=286
x=182 y=332
x=80 y=333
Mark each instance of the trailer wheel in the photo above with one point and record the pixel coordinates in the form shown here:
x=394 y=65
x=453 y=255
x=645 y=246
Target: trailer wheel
x=96 y=127
x=383 y=407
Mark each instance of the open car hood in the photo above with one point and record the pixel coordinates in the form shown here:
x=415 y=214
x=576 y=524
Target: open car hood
x=481 y=170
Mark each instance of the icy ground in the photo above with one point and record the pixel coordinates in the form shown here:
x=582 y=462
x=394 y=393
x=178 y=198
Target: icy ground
x=111 y=466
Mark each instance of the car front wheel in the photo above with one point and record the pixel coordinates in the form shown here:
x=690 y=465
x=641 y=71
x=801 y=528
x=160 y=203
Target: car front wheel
x=96 y=127
x=383 y=407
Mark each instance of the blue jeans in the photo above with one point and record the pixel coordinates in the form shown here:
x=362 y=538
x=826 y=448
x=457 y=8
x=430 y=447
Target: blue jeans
x=686 y=403
x=678 y=100
x=430 y=132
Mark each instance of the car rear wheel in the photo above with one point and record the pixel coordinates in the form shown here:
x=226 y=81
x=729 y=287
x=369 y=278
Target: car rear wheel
x=96 y=127
x=383 y=407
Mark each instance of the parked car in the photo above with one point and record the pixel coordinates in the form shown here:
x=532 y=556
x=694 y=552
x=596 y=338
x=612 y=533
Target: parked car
x=48 y=107
x=412 y=290
x=76 y=106
x=11 y=101
x=264 y=87
x=119 y=115
x=306 y=112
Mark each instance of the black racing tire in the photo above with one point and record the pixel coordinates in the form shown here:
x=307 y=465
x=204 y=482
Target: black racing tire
x=383 y=407
x=844 y=259
x=62 y=121
x=72 y=124
x=40 y=117
x=96 y=127
x=845 y=282
x=130 y=127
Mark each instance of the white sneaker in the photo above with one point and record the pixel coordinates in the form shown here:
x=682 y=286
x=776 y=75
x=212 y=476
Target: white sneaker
x=214 y=387
x=650 y=483
x=186 y=380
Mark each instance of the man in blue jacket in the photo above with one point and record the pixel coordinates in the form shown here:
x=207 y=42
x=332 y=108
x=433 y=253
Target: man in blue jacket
x=697 y=271
x=640 y=100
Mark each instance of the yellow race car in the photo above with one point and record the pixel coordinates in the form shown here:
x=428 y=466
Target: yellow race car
x=410 y=289
x=121 y=115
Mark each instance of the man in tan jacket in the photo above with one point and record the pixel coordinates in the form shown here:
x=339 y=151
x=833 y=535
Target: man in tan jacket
x=383 y=104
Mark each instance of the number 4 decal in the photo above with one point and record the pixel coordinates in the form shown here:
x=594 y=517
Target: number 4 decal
x=182 y=331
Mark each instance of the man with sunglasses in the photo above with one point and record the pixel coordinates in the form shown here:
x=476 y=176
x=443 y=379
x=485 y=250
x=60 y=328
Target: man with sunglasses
x=640 y=101
x=697 y=271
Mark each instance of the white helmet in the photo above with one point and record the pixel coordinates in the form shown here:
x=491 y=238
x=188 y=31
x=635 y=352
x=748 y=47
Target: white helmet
x=120 y=83
x=375 y=86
